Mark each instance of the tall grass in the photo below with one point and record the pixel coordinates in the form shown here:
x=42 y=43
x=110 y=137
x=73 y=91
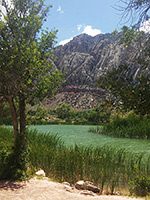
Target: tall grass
x=6 y=138
x=105 y=165
x=130 y=127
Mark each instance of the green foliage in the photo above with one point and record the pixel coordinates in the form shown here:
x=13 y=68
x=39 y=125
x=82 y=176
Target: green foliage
x=26 y=54
x=43 y=149
x=6 y=121
x=4 y=110
x=98 y=129
x=14 y=159
x=26 y=51
x=36 y=117
x=5 y=115
x=63 y=111
x=128 y=35
x=130 y=127
x=105 y=165
x=130 y=94
x=140 y=183
x=17 y=162
x=101 y=113
x=123 y=82
x=115 y=32
x=64 y=114
x=6 y=138
x=25 y=69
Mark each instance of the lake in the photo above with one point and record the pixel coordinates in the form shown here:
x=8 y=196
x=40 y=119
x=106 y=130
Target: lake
x=80 y=135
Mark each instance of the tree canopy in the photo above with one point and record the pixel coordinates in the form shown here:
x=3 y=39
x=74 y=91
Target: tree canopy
x=130 y=90
x=129 y=93
x=25 y=53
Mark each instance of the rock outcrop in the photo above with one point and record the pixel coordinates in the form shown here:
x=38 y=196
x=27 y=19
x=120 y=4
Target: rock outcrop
x=86 y=58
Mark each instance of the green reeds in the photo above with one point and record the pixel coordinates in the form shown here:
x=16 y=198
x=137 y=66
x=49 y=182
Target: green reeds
x=106 y=166
x=130 y=127
x=6 y=138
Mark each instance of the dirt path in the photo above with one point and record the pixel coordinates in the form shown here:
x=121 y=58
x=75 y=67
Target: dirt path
x=46 y=190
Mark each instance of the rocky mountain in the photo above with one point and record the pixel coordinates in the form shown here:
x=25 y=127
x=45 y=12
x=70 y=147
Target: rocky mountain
x=84 y=59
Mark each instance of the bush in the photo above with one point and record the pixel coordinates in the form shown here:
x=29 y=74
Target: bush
x=6 y=121
x=130 y=127
x=13 y=158
x=14 y=161
x=5 y=114
x=140 y=183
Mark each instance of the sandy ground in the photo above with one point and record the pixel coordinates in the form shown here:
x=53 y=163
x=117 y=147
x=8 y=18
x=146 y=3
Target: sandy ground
x=35 y=189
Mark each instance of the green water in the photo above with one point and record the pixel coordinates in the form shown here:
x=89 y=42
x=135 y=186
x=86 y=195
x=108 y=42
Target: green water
x=80 y=135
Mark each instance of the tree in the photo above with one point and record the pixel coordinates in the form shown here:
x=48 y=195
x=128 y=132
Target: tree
x=129 y=93
x=25 y=52
x=63 y=111
x=101 y=113
x=135 y=10
x=130 y=90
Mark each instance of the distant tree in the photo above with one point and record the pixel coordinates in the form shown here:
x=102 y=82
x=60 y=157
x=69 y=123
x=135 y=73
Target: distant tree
x=40 y=113
x=25 y=51
x=63 y=111
x=100 y=113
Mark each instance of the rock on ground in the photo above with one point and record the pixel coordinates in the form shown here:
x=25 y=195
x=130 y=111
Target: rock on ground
x=35 y=189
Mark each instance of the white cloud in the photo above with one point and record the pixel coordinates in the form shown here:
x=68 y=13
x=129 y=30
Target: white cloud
x=87 y=29
x=63 y=42
x=79 y=27
x=90 y=31
x=145 y=27
x=60 y=10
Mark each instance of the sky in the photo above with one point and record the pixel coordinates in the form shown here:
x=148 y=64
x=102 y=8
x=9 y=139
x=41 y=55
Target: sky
x=73 y=17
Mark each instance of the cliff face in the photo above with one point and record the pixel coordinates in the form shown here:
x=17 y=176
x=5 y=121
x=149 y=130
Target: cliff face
x=84 y=59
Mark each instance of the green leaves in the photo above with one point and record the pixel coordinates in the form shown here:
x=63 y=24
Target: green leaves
x=63 y=111
x=24 y=58
x=25 y=67
x=128 y=35
x=131 y=94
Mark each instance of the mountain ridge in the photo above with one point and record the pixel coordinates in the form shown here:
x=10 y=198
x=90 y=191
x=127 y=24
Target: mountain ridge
x=85 y=59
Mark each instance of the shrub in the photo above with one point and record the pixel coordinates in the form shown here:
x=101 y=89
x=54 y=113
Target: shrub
x=14 y=162
x=13 y=158
x=130 y=127
x=140 y=183
x=6 y=121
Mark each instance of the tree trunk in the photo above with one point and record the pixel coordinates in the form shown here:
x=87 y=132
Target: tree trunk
x=13 y=115
x=22 y=117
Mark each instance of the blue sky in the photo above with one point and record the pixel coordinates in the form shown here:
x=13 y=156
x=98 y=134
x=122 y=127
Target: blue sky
x=73 y=17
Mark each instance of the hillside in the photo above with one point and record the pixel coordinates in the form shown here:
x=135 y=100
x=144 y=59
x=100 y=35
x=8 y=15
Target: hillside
x=84 y=59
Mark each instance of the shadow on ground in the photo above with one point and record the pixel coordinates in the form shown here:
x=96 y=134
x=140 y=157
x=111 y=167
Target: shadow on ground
x=5 y=185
